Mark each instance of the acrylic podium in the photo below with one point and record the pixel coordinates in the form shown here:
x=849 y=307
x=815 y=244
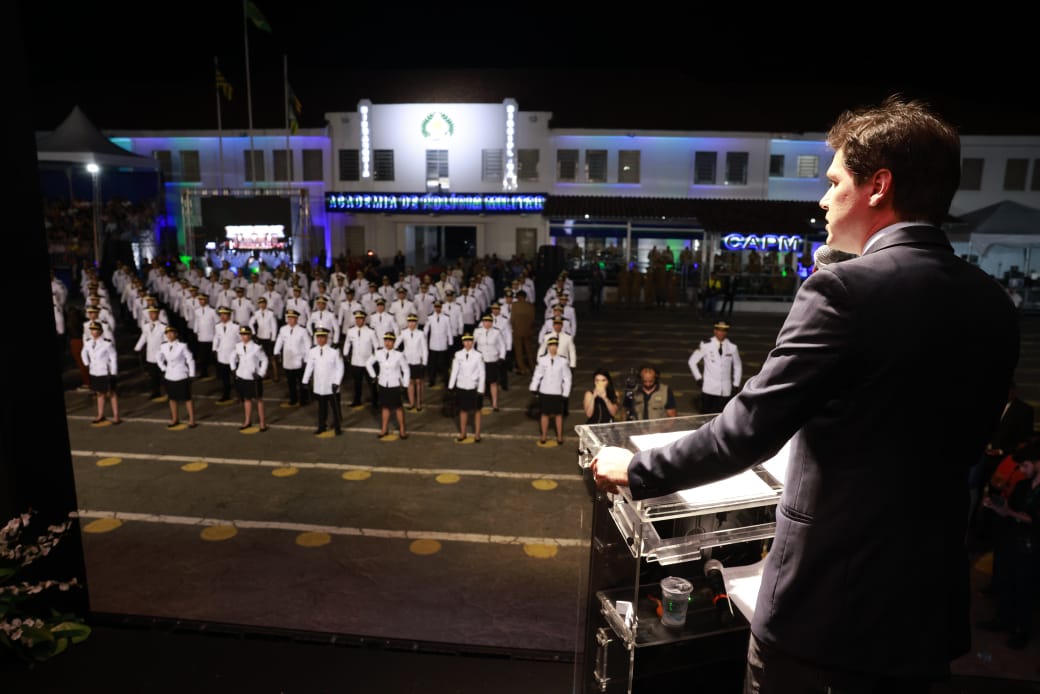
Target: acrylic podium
x=636 y=543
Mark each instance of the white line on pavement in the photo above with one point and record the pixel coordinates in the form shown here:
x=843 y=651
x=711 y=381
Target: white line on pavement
x=335 y=530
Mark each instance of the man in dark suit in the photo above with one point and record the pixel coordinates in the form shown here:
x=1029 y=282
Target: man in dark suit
x=865 y=587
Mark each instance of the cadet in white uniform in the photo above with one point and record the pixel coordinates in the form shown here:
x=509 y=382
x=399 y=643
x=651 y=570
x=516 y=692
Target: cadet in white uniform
x=722 y=369
x=381 y=321
x=324 y=318
x=178 y=367
x=392 y=377
x=293 y=345
x=467 y=377
x=565 y=343
x=249 y=363
x=501 y=321
x=265 y=330
x=552 y=383
x=359 y=344
x=412 y=343
x=325 y=370
x=205 y=322
x=150 y=340
x=439 y=338
x=488 y=340
x=401 y=308
x=100 y=357
x=225 y=337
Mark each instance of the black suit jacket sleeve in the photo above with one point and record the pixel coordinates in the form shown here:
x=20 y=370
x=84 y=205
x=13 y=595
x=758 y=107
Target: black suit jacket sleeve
x=801 y=374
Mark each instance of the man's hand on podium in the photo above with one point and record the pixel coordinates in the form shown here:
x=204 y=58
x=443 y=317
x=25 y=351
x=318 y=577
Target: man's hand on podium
x=610 y=468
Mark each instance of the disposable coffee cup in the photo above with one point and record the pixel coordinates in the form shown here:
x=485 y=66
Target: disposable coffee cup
x=675 y=598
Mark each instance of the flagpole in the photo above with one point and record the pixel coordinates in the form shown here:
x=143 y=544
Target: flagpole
x=249 y=94
x=220 y=130
x=288 y=146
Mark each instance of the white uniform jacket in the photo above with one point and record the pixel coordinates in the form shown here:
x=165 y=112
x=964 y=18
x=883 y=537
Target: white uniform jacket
x=152 y=336
x=393 y=369
x=414 y=346
x=325 y=319
x=100 y=357
x=490 y=343
x=206 y=320
x=400 y=310
x=293 y=343
x=225 y=337
x=722 y=372
x=439 y=331
x=467 y=371
x=264 y=324
x=565 y=347
x=248 y=361
x=360 y=344
x=552 y=376
x=501 y=321
x=325 y=366
x=176 y=361
x=382 y=323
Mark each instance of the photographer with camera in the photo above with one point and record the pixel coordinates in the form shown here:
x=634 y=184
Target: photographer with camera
x=652 y=399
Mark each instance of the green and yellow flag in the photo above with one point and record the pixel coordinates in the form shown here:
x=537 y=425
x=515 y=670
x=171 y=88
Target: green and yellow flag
x=254 y=15
x=295 y=109
x=223 y=85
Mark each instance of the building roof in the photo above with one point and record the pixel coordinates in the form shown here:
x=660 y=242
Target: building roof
x=712 y=214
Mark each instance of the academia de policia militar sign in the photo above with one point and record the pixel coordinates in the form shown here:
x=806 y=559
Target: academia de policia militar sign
x=432 y=203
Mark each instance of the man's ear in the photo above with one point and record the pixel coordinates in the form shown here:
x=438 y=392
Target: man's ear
x=881 y=188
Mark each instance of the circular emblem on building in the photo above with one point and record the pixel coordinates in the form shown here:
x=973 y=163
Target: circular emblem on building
x=437 y=126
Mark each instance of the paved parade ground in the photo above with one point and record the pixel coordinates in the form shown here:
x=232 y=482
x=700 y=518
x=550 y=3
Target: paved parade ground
x=424 y=545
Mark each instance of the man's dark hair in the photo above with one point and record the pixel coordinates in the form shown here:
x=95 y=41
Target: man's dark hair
x=922 y=151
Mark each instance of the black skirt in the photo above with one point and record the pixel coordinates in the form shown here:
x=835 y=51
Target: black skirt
x=179 y=391
x=551 y=404
x=416 y=371
x=491 y=372
x=469 y=400
x=389 y=397
x=102 y=384
x=249 y=389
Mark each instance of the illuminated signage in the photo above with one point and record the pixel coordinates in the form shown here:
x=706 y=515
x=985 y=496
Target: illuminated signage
x=427 y=203
x=437 y=126
x=255 y=236
x=761 y=242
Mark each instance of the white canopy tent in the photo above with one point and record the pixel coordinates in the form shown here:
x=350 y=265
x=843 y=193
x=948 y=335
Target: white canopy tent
x=78 y=141
x=1007 y=223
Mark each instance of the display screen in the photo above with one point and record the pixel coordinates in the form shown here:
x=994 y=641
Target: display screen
x=246 y=223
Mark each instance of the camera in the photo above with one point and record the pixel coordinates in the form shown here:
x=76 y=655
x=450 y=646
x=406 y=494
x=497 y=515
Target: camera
x=631 y=383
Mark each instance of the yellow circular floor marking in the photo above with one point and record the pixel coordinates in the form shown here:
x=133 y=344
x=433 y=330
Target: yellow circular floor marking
x=447 y=478
x=358 y=407
x=109 y=462
x=544 y=485
x=179 y=427
x=286 y=406
x=161 y=398
x=216 y=533
x=486 y=410
x=221 y=403
x=194 y=467
x=356 y=475
x=390 y=437
x=425 y=547
x=102 y=525
x=541 y=551
x=285 y=471
x=103 y=423
x=313 y=539
x=327 y=434
x=468 y=439
x=250 y=430
x=549 y=443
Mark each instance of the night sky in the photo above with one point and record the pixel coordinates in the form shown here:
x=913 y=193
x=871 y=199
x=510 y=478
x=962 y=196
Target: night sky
x=612 y=68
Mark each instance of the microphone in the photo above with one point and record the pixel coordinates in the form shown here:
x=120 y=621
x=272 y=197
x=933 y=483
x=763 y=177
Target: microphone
x=723 y=606
x=825 y=255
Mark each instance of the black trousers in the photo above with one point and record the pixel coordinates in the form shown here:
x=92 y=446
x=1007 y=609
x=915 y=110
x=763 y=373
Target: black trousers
x=224 y=372
x=326 y=403
x=203 y=351
x=438 y=364
x=772 y=672
x=360 y=376
x=713 y=404
x=298 y=393
x=154 y=378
